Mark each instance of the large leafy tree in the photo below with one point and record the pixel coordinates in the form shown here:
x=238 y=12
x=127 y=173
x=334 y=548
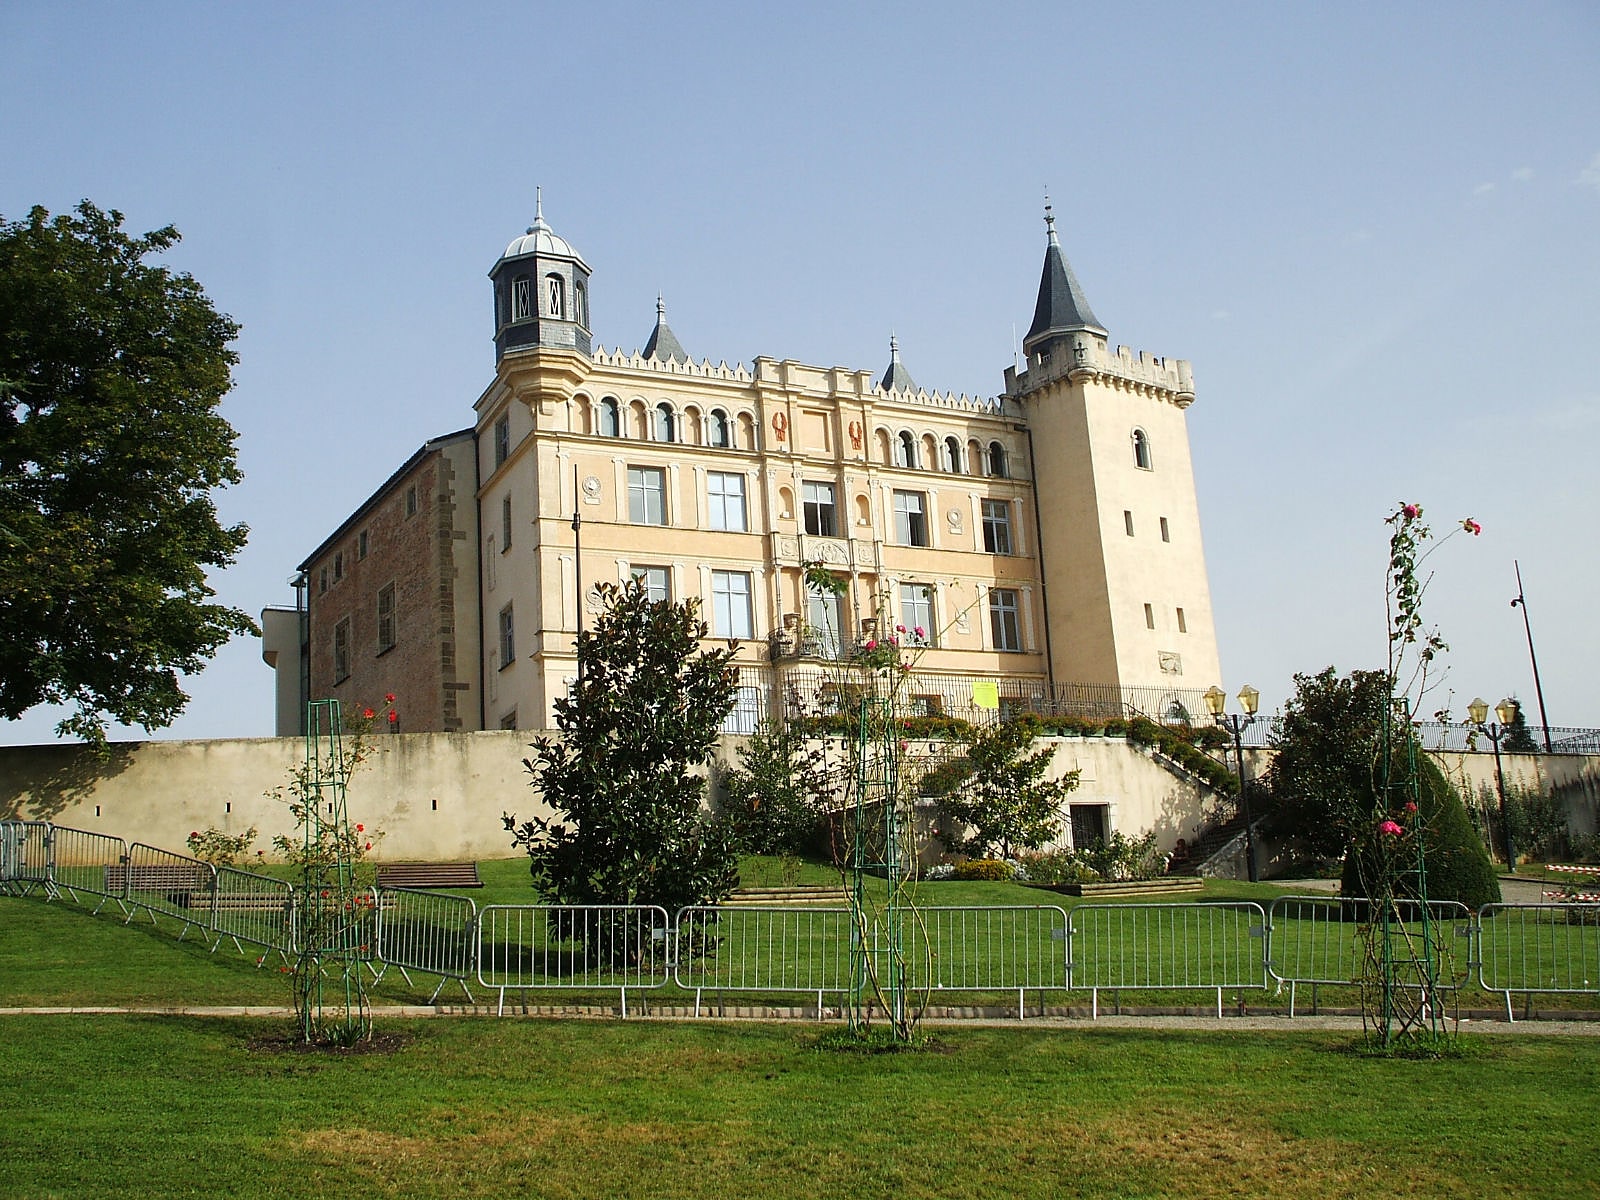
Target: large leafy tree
x=110 y=447
x=626 y=778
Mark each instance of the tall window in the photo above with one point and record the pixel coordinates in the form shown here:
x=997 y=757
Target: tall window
x=998 y=467
x=821 y=514
x=647 y=496
x=666 y=423
x=386 y=618
x=910 y=519
x=1141 y=450
x=610 y=417
x=411 y=501
x=1166 y=534
x=916 y=613
x=725 y=491
x=361 y=545
x=1127 y=521
x=825 y=615
x=505 y=523
x=338 y=565
x=721 y=434
x=905 y=449
x=997 y=526
x=502 y=440
x=657 y=582
x=508 y=637
x=580 y=297
x=952 y=455
x=521 y=298
x=730 y=604
x=1004 y=632
x=341 y=651
x=555 y=297
x=1149 y=617
x=1183 y=625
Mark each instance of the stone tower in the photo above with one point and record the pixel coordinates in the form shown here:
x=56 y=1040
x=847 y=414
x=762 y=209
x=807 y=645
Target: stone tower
x=1123 y=564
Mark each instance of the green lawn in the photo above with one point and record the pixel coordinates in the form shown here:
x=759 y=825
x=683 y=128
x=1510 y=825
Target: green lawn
x=148 y=1106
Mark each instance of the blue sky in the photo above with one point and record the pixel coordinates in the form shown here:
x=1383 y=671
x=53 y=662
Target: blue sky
x=1374 y=229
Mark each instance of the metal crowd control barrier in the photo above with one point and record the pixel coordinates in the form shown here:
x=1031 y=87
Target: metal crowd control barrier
x=160 y=881
x=1166 y=947
x=258 y=909
x=1529 y=948
x=1313 y=939
x=1015 y=948
x=84 y=861
x=427 y=931
x=27 y=857
x=601 y=946
x=753 y=948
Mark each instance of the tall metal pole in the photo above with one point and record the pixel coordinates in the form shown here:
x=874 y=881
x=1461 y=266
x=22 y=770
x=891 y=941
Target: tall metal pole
x=1522 y=602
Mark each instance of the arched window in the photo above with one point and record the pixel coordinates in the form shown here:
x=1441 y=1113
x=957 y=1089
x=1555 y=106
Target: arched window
x=997 y=461
x=1141 y=450
x=580 y=302
x=666 y=423
x=721 y=434
x=521 y=298
x=952 y=455
x=905 y=449
x=610 y=417
x=555 y=297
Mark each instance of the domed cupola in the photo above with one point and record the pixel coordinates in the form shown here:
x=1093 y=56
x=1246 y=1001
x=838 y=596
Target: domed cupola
x=541 y=292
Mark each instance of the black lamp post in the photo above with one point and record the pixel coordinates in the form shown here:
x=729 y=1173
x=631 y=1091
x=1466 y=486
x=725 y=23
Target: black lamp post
x=1478 y=713
x=1217 y=700
x=1522 y=602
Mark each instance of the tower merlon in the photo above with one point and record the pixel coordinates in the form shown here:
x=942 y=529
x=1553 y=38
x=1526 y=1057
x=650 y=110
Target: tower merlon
x=1087 y=357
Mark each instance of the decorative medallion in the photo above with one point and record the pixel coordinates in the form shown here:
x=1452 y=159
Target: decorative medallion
x=1171 y=662
x=591 y=488
x=953 y=519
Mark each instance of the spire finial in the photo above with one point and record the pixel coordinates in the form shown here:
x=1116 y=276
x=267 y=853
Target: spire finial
x=538 y=211
x=894 y=348
x=1050 y=219
x=661 y=308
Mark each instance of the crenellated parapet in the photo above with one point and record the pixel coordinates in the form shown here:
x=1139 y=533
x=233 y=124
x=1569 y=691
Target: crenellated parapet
x=1085 y=358
x=986 y=406
x=704 y=369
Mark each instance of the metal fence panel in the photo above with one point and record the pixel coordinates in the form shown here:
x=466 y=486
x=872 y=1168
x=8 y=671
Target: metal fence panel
x=572 y=946
x=1164 y=947
x=26 y=855
x=253 y=908
x=987 y=949
x=750 y=948
x=81 y=861
x=1528 y=948
x=1315 y=939
x=427 y=931
x=160 y=881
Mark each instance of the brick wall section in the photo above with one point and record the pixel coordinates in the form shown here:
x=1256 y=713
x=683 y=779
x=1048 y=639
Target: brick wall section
x=428 y=557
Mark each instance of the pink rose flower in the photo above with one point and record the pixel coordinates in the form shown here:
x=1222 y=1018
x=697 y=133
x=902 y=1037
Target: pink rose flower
x=872 y=643
x=899 y=628
x=1412 y=511
x=920 y=632
x=1390 y=828
x=1411 y=806
x=1472 y=527
x=388 y=697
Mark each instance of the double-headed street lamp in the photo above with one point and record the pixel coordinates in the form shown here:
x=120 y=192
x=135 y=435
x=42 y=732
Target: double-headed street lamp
x=1478 y=714
x=1217 y=700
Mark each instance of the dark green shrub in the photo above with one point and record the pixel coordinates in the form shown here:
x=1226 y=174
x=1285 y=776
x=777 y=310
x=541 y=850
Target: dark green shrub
x=1458 y=865
x=991 y=870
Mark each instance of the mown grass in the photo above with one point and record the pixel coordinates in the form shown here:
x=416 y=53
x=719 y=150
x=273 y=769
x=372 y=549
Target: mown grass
x=148 y=1106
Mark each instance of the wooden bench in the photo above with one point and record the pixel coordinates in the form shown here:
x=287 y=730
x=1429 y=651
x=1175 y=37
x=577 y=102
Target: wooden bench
x=171 y=881
x=429 y=875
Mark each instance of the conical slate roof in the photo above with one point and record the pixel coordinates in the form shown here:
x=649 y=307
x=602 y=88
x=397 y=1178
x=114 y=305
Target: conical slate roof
x=1062 y=307
x=896 y=378
x=663 y=343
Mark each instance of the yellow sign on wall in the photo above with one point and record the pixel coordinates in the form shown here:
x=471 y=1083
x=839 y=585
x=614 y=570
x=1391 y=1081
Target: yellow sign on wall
x=986 y=693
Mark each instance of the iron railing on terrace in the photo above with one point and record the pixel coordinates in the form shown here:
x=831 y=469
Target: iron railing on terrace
x=1458 y=738
x=808 y=688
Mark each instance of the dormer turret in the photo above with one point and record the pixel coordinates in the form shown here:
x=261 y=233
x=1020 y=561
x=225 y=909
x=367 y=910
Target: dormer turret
x=664 y=344
x=541 y=292
x=896 y=378
x=1062 y=315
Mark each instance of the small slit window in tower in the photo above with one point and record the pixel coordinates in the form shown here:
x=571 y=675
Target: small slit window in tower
x=1183 y=626
x=1149 y=617
x=1127 y=521
x=1166 y=534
